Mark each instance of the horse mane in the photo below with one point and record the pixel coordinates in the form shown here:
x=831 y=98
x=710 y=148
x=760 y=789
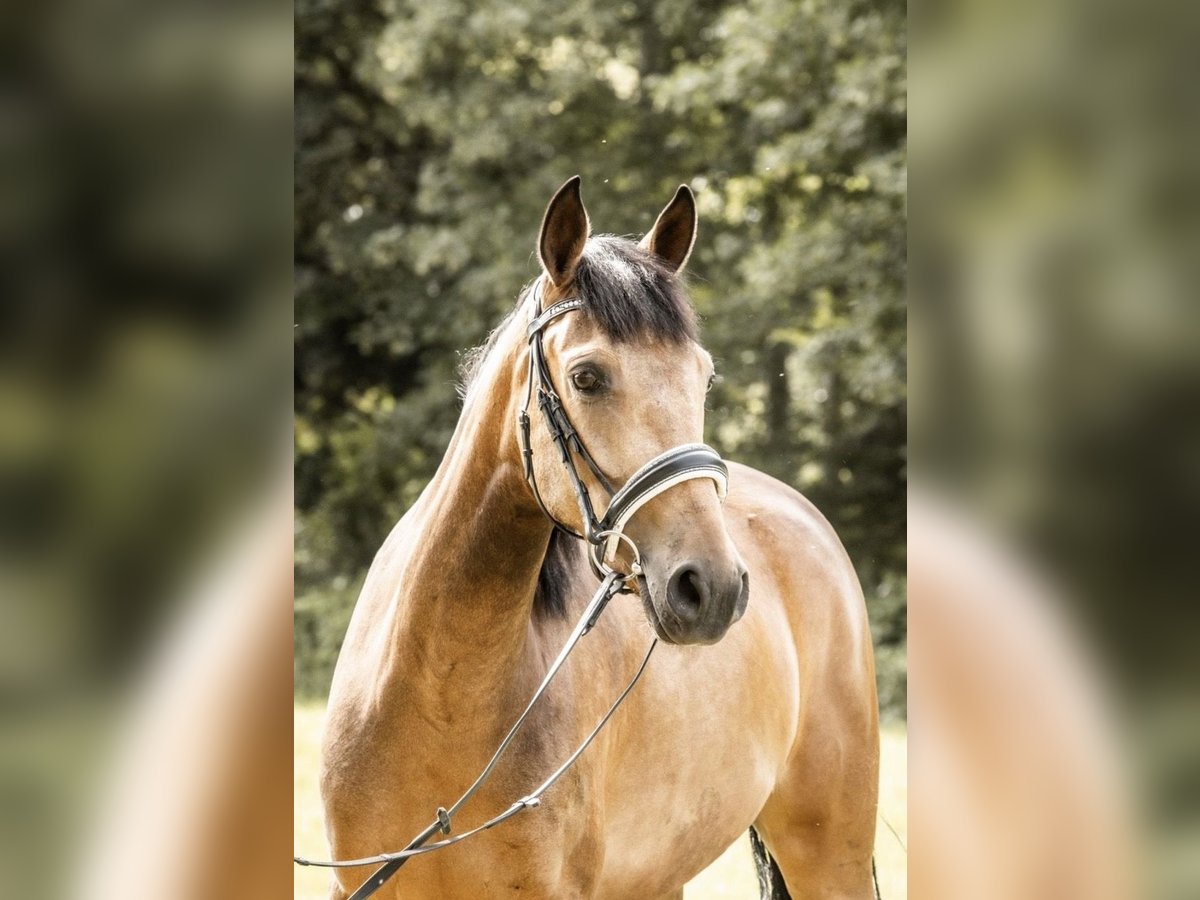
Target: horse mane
x=630 y=294
x=554 y=578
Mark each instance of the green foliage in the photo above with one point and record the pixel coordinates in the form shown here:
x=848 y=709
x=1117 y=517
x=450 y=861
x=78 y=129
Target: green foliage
x=429 y=138
x=321 y=618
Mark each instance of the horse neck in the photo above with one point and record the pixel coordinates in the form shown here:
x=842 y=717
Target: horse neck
x=465 y=590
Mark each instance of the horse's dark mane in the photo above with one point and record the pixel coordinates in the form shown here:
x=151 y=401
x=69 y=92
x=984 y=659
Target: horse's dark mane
x=554 y=579
x=630 y=294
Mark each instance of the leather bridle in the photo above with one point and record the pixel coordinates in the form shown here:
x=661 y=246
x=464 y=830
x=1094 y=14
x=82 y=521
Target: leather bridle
x=603 y=536
x=669 y=468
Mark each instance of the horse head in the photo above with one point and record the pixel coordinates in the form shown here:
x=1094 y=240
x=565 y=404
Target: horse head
x=631 y=377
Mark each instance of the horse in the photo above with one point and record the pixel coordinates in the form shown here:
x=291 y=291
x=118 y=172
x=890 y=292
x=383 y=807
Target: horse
x=757 y=712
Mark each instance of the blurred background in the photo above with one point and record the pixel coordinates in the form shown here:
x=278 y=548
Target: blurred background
x=144 y=351
x=1055 y=337
x=430 y=136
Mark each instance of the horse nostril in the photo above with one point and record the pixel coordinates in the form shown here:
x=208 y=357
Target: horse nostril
x=743 y=598
x=686 y=592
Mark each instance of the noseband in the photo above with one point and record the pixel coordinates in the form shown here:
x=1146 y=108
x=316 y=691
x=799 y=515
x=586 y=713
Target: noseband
x=671 y=467
x=603 y=536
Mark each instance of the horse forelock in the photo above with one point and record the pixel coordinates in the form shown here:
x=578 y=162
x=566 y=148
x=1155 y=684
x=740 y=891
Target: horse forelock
x=632 y=294
x=626 y=291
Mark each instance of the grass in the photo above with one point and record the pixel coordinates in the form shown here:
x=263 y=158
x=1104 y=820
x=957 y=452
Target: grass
x=731 y=877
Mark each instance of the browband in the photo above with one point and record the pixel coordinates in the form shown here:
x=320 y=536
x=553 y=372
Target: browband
x=541 y=320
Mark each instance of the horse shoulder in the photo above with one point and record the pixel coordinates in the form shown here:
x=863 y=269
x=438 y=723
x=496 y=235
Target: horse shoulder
x=799 y=567
x=821 y=815
x=793 y=549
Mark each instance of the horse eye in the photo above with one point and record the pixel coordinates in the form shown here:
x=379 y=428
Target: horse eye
x=712 y=379
x=585 y=380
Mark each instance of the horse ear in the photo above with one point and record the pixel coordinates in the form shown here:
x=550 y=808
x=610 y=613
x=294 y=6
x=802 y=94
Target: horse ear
x=565 y=230
x=674 y=232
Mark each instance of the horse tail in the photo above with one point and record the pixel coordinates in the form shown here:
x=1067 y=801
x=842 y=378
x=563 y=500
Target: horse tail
x=770 y=880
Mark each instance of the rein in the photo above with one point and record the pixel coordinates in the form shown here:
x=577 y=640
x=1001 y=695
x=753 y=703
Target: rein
x=613 y=583
x=603 y=536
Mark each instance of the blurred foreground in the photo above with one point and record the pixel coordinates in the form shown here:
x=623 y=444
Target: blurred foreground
x=145 y=348
x=1055 y=339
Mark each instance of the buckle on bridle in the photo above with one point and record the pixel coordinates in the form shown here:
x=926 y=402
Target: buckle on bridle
x=526 y=447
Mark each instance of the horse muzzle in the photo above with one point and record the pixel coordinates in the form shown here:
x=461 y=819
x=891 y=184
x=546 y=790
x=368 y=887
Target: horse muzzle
x=697 y=602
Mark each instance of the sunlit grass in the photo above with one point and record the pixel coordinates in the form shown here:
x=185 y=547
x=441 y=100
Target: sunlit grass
x=729 y=878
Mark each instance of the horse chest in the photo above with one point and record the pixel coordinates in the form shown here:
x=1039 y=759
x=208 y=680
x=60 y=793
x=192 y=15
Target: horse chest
x=531 y=859
x=391 y=780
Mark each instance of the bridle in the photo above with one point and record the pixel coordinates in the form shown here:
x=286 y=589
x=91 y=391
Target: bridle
x=603 y=536
x=672 y=467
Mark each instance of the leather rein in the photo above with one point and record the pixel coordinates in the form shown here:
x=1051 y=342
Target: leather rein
x=603 y=536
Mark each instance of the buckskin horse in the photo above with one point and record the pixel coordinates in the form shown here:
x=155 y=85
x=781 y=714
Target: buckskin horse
x=757 y=712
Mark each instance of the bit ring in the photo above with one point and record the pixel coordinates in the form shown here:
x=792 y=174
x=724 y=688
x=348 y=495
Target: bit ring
x=635 y=568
